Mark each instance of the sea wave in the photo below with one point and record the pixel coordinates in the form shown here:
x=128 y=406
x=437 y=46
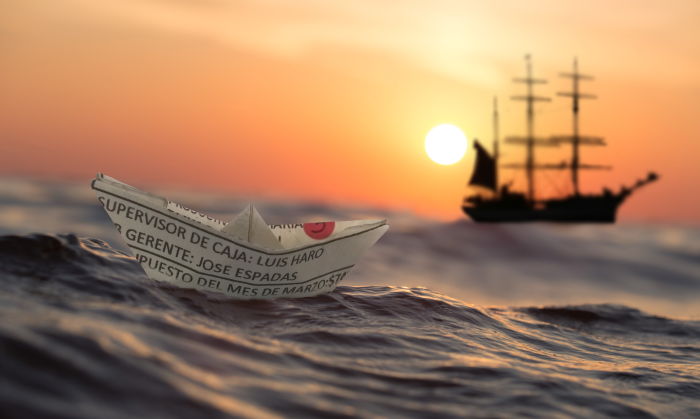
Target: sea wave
x=86 y=334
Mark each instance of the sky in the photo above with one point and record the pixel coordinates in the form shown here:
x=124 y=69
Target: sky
x=331 y=101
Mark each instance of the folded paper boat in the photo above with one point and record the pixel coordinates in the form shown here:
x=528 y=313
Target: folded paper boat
x=245 y=258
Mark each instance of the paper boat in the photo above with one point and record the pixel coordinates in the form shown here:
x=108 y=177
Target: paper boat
x=244 y=258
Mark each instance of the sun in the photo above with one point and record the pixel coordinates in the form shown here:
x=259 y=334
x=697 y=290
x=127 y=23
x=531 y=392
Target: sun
x=445 y=144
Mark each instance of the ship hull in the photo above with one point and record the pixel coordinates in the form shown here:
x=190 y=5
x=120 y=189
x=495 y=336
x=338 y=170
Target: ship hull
x=588 y=209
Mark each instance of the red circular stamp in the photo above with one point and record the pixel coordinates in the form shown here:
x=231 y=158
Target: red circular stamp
x=319 y=231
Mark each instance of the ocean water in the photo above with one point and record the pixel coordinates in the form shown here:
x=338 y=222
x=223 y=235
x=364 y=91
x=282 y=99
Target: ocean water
x=438 y=320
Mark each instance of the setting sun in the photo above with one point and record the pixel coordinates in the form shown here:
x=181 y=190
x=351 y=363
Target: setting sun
x=445 y=144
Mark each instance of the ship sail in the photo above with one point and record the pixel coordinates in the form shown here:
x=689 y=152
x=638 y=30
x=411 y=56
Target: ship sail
x=484 y=169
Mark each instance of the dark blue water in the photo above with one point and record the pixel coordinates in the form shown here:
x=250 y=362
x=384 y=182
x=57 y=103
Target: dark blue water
x=509 y=321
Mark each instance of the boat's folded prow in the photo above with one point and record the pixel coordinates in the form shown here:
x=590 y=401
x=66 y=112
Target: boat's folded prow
x=249 y=226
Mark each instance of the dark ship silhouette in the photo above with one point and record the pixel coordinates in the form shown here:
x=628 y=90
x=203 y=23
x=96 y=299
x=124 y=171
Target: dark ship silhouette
x=500 y=204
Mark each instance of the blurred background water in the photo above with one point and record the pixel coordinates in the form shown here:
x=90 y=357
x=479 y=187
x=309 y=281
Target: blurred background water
x=653 y=267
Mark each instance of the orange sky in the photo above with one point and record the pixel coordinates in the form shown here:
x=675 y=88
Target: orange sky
x=332 y=100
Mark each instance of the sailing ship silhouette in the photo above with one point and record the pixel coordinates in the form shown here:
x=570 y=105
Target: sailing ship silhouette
x=501 y=204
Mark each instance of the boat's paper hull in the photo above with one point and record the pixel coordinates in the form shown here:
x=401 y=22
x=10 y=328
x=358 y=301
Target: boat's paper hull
x=173 y=248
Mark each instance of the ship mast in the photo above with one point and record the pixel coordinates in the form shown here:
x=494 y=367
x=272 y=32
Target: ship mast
x=576 y=140
x=495 y=142
x=529 y=141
